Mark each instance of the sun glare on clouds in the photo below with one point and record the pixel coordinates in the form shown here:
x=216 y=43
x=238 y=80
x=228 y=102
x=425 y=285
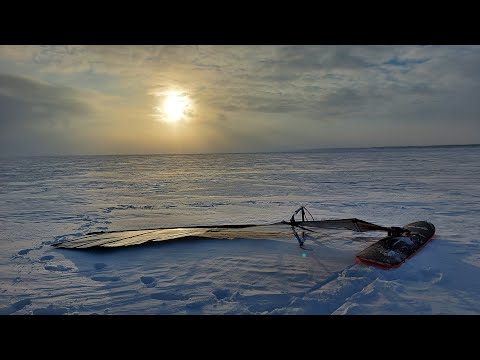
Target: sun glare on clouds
x=173 y=107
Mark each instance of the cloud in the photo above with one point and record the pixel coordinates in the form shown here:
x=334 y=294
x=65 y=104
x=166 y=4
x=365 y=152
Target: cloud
x=267 y=96
x=36 y=116
x=28 y=102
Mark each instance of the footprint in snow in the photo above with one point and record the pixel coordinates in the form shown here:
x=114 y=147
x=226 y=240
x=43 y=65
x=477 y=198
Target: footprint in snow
x=47 y=257
x=16 y=306
x=148 y=281
x=57 y=268
x=221 y=294
x=99 y=266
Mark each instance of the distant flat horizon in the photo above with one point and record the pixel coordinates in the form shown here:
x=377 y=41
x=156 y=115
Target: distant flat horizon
x=313 y=150
x=390 y=147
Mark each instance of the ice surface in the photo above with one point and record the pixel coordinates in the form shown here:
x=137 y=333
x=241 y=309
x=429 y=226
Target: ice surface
x=49 y=199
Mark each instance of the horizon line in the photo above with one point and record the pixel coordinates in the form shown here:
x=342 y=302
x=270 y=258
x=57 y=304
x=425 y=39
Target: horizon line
x=308 y=150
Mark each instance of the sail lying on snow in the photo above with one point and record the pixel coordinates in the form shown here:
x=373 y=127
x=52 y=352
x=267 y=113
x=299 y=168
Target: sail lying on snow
x=137 y=237
x=128 y=238
x=347 y=224
x=282 y=229
x=390 y=251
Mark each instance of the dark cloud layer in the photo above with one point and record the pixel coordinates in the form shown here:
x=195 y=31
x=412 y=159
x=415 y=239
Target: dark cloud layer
x=24 y=101
x=36 y=116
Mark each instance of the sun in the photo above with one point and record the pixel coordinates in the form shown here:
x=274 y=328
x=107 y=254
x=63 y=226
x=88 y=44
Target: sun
x=175 y=107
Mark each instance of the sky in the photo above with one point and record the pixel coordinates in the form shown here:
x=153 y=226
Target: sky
x=110 y=99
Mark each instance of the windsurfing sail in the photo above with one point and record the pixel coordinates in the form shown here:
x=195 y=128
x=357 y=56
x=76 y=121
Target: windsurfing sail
x=128 y=238
x=110 y=239
x=391 y=251
x=353 y=224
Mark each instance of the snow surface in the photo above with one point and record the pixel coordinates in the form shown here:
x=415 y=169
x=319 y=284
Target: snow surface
x=48 y=199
